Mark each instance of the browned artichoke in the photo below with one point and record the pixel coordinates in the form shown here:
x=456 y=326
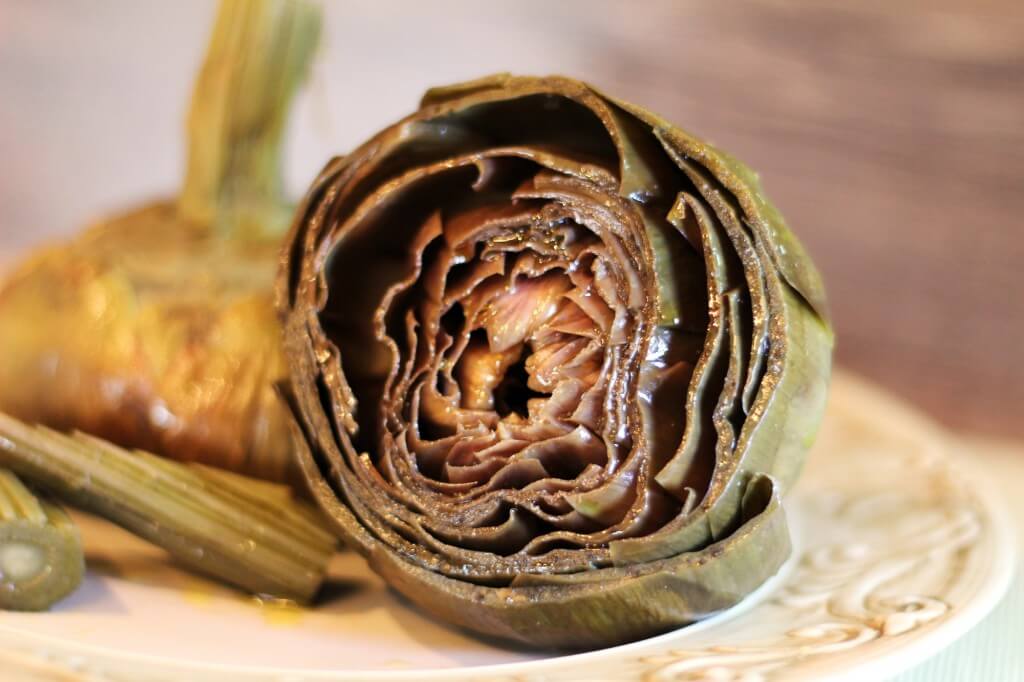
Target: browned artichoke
x=556 y=361
x=156 y=329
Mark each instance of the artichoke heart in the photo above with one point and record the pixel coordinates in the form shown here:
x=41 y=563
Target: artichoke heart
x=554 y=363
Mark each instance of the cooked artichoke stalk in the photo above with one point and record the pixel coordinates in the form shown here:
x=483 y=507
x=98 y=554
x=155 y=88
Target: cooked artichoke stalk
x=219 y=524
x=156 y=328
x=259 y=53
x=41 y=559
x=556 y=362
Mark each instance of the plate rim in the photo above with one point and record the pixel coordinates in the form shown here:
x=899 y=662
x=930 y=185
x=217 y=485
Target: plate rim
x=927 y=641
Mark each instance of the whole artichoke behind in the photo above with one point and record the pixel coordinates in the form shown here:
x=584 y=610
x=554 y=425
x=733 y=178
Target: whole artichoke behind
x=156 y=328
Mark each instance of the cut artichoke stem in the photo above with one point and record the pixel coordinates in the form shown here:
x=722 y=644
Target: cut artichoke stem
x=41 y=559
x=265 y=490
x=300 y=518
x=265 y=546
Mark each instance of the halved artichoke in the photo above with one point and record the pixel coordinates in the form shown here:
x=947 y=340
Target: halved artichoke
x=554 y=361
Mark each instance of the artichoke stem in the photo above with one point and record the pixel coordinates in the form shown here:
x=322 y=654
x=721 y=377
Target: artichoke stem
x=259 y=53
x=267 y=545
x=41 y=559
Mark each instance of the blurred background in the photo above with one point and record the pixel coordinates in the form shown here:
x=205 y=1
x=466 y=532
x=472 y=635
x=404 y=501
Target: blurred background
x=891 y=135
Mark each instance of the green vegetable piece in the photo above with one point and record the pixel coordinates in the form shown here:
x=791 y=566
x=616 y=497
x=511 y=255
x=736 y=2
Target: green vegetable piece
x=267 y=545
x=41 y=559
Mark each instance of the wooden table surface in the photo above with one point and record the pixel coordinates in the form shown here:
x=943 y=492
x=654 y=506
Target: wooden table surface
x=891 y=134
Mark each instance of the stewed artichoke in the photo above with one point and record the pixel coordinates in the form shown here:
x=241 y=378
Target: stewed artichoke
x=156 y=328
x=555 y=363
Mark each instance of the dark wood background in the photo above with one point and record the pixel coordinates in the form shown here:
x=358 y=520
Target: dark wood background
x=891 y=134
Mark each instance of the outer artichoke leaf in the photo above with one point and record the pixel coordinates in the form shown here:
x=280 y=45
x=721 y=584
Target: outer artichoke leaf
x=586 y=610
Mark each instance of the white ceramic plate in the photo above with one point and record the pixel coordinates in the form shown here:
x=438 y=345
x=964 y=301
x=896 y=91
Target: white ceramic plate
x=901 y=549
